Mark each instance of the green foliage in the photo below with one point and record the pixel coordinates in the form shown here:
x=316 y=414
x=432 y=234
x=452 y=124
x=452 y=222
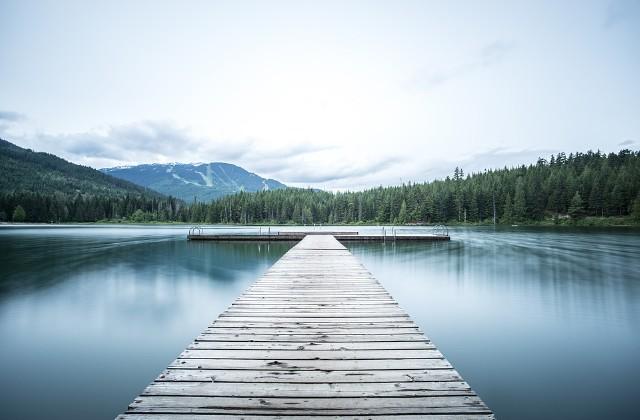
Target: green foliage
x=519 y=202
x=588 y=186
x=138 y=216
x=49 y=189
x=605 y=184
x=507 y=214
x=19 y=215
x=635 y=212
x=576 y=208
x=402 y=215
x=25 y=170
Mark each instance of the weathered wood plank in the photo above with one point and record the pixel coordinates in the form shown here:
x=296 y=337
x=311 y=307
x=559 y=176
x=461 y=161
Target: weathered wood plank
x=323 y=330
x=306 y=376
x=315 y=338
x=399 y=319
x=310 y=354
x=257 y=307
x=316 y=326
x=309 y=390
x=315 y=301
x=310 y=345
x=275 y=364
x=344 y=406
x=313 y=316
x=174 y=416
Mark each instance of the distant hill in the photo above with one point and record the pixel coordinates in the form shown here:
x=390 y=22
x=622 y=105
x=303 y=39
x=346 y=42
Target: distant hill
x=200 y=181
x=25 y=171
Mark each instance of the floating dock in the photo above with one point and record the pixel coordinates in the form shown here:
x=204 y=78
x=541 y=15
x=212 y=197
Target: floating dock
x=298 y=236
x=316 y=337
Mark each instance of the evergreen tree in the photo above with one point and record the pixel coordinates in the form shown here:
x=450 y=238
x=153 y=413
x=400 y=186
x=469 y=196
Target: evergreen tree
x=19 y=215
x=635 y=213
x=519 y=202
x=576 y=209
x=507 y=214
x=402 y=215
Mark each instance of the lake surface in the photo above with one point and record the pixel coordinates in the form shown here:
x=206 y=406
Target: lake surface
x=543 y=323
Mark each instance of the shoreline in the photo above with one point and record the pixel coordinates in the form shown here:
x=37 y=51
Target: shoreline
x=613 y=222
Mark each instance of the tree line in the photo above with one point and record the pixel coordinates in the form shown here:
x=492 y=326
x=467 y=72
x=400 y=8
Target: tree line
x=63 y=208
x=572 y=187
x=581 y=184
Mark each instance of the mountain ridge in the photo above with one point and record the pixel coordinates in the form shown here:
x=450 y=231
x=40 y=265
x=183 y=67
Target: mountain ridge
x=194 y=181
x=24 y=169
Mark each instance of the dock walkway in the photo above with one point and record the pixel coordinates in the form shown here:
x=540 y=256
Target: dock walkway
x=315 y=337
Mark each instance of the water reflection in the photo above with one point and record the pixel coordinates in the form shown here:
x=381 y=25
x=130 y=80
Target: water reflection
x=91 y=316
x=544 y=324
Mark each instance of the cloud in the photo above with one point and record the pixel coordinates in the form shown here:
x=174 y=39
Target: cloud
x=141 y=142
x=10 y=124
x=488 y=55
x=320 y=173
x=271 y=159
x=495 y=158
x=11 y=116
x=162 y=142
x=626 y=143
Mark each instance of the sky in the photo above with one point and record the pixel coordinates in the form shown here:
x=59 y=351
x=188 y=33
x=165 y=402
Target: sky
x=331 y=94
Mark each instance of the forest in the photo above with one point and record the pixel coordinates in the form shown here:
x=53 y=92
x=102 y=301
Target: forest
x=562 y=188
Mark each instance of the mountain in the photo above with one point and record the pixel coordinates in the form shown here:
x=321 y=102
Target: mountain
x=200 y=181
x=25 y=171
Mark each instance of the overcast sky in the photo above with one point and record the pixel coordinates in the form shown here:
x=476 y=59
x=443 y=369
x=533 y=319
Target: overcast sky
x=337 y=95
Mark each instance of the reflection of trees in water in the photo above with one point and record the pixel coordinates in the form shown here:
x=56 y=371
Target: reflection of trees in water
x=572 y=269
x=31 y=262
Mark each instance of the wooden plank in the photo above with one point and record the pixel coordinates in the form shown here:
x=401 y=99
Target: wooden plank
x=316 y=337
x=324 y=329
x=309 y=390
x=309 y=301
x=343 y=406
x=399 y=319
x=310 y=354
x=315 y=318
x=298 y=376
x=316 y=326
x=318 y=313
x=174 y=416
x=275 y=364
x=313 y=306
x=307 y=345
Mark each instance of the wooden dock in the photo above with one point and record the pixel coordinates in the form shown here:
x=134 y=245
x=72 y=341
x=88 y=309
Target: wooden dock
x=298 y=236
x=315 y=337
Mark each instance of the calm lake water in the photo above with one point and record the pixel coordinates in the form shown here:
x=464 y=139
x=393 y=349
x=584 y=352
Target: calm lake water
x=542 y=323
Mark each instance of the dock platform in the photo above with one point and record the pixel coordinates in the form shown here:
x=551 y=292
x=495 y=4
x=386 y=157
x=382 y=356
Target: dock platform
x=298 y=236
x=316 y=337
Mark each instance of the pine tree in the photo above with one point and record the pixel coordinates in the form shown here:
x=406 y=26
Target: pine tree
x=635 y=212
x=507 y=213
x=576 y=208
x=402 y=215
x=519 y=202
x=19 y=215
